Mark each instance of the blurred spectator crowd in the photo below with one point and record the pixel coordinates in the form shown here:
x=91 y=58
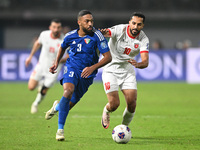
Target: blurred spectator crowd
x=151 y=5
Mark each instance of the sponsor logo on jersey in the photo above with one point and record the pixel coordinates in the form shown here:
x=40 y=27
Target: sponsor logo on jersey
x=136 y=45
x=87 y=40
x=103 y=45
x=74 y=42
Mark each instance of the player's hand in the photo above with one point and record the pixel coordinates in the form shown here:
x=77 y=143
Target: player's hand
x=133 y=62
x=28 y=61
x=104 y=31
x=53 y=68
x=87 y=71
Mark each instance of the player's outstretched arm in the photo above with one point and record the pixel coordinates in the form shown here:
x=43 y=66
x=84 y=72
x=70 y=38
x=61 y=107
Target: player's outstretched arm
x=105 y=32
x=143 y=64
x=63 y=60
x=36 y=46
x=89 y=70
x=60 y=54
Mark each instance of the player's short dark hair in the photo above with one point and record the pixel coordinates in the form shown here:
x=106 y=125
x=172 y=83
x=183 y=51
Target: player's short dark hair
x=56 y=20
x=82 y=13
x=138 y=14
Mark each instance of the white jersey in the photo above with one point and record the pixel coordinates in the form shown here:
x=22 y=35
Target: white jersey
x=124 y=47
x=49 y=49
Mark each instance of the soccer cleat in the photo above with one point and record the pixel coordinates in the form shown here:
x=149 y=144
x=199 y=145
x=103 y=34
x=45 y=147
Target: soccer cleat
x=51 y=112
x=105 y=120
x=60 y=135
x=34 y=108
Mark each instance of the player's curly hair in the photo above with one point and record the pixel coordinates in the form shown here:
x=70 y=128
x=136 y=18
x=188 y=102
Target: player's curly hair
x=138 y=14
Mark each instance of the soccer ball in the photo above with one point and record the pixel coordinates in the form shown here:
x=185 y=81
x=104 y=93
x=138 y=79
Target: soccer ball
x=121 y=134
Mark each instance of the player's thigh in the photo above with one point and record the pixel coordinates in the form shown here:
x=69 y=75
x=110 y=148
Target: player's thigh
x=109 y=82
x=32 y=84
x=113 y=98
x=50 y=79
x=35 y=77
x=130 y=95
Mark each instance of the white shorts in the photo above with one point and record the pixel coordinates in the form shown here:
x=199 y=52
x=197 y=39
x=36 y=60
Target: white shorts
x=114 y=81
x=40 y=73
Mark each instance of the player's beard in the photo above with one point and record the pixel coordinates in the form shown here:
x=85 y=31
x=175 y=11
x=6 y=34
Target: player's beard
x=87 y=31
x=56 y=34
x=134 y=33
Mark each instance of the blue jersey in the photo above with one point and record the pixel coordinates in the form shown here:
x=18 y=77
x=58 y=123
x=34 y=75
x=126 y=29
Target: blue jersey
x=84 y=50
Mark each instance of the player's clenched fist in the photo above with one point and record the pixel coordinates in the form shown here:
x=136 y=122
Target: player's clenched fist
x=53 y=68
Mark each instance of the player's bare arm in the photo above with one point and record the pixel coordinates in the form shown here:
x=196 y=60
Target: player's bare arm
x=105 y=32
x=63 y=60
x=36 y=46
x=89 y=70
x=60 y=54
x=143 y=64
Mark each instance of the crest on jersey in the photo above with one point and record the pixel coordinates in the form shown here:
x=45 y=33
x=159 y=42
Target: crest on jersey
x=136 y=45
x=87 y=40
x=103 y=45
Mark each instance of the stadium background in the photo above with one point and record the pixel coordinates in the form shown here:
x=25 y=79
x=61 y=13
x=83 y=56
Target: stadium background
x=175 y=25
x=168 y=111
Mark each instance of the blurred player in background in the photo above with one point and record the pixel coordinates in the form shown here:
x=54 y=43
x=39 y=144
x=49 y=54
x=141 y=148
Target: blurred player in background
x=50 y=41
x=126 y=41
x=80 y=68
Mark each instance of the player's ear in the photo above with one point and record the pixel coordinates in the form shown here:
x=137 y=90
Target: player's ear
x=143 y=25
x=79 y=23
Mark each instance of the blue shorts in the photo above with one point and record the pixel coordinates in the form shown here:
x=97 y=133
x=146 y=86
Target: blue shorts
x=81 y=84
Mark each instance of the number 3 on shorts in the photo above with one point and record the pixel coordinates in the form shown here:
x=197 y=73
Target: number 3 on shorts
x=71 y=73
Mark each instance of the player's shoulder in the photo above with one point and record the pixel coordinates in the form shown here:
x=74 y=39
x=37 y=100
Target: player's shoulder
x=143 y=36
x=70 y=33
x=119 y=26
x=98 y=34
x=46 y=32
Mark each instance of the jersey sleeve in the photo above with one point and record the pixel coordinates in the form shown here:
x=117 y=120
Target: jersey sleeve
x=65 y=43
x=102 y=43
x=144 y=45
x=112 y=31
x=40 y=38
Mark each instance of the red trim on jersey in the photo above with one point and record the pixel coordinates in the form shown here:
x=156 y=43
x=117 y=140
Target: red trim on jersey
x=144 y=52
x=109 y=32
x=131 y=35
x=54 y=37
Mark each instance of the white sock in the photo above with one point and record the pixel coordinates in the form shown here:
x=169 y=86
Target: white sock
x=105 y=109
x=38 y=98
x=127 y=117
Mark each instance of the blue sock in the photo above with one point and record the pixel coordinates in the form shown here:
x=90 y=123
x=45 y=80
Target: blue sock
x=57 y=107
x=63 y=112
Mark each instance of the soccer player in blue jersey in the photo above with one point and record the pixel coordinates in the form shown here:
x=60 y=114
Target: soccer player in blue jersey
x=80 y=68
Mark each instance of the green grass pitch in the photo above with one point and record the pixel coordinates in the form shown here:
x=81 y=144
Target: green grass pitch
x=167 y=118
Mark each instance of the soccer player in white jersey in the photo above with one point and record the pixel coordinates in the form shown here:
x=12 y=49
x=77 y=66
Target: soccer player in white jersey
x=49 y=41
x=126 y=41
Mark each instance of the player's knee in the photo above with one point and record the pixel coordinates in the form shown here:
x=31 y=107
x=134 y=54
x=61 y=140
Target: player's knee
x=44 y=90
x=68 y=93
x=31 y=88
